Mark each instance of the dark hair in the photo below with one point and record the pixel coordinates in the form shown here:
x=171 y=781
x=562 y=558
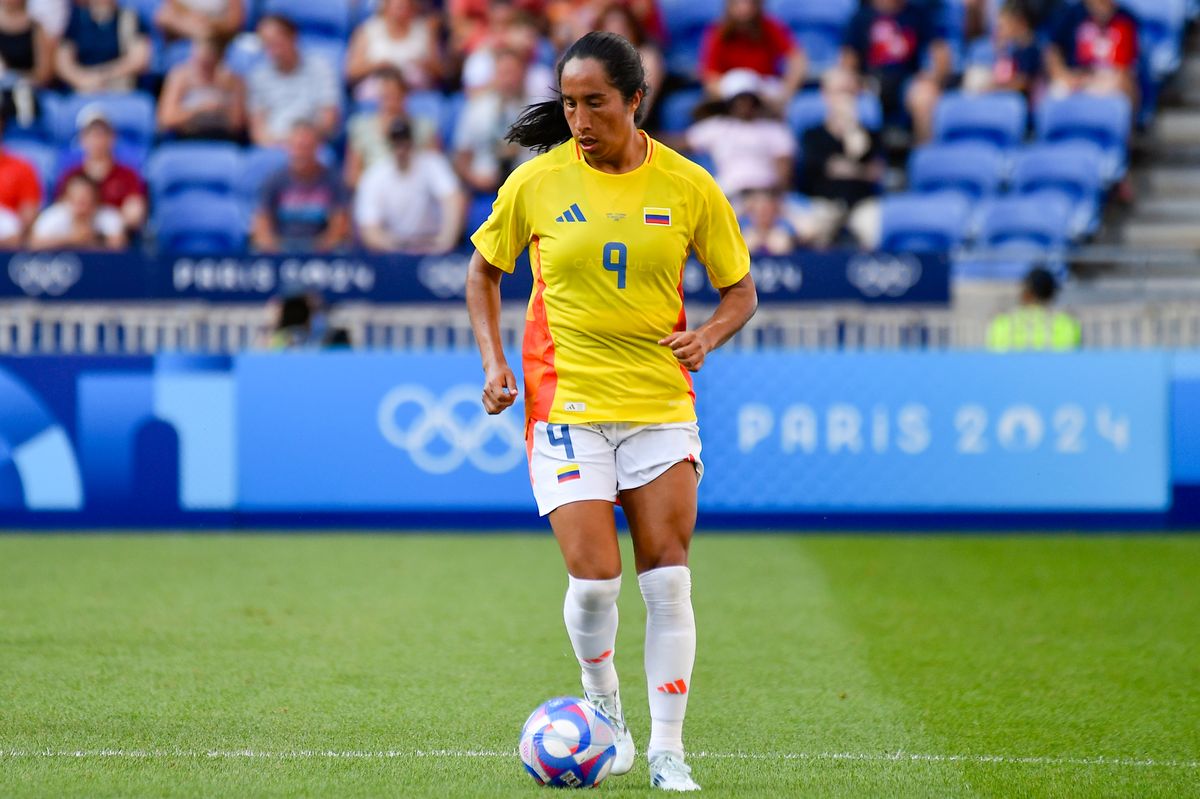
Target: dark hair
x=727 y=27
x=86 y=180
x=1018 y=9
x=296 y=311
x=1041 y=285
x=282 y=20
x=543 y=126
x=387 y=72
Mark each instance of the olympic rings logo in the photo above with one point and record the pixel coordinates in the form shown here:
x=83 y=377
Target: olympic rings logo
x=441 y=434
x=882 y=274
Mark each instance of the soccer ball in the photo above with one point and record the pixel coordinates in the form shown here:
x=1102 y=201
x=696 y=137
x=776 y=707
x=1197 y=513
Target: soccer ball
x=567 y=743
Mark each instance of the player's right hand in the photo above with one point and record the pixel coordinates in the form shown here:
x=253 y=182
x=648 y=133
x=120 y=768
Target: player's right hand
x=499 y=389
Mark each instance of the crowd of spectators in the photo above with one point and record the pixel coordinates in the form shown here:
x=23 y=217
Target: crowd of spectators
x=365 y=169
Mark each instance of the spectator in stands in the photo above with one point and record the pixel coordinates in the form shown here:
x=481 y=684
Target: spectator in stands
x=119 y=185
x=52 y=15
x=1094 y=48
x=26 y=61
x=886 y=41
x=1035 y=325
x=290 y=87
x=482 y=156
x=202 y=98
x=1018 y=60
x=842 y=166
x=11 y=232
x=571 y=19
x=79 y=221
x=747 y=38
x=20 y=187
x=510 y=28
x=768 y=227
x=750 y=146
x=412 y=202
x=617 y=17
x=104 y=49
x=200 y=19
x=397 y=36
x=367 y=131
x=303 y=207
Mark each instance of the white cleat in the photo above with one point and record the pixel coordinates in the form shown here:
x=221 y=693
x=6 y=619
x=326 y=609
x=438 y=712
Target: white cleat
x=668 y=772
x=610 y=706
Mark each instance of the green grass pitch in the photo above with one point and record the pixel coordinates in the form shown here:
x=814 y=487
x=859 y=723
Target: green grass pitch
x=403 y=666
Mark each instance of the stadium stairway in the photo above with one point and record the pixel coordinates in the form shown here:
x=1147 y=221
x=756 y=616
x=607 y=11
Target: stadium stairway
x=1166 y=214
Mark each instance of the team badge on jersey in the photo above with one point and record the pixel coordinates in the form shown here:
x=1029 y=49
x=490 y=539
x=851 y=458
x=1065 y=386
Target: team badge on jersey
x=657 y=216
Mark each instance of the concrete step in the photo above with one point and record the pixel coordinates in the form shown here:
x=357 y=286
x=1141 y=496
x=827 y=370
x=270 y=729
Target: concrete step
x=1169 y=235
x=1177 y=126
x=1169 y=182
x=1164 y=208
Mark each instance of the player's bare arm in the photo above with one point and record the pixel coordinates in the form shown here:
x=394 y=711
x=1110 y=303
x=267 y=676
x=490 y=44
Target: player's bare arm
x=736 y=308
x=483 y=305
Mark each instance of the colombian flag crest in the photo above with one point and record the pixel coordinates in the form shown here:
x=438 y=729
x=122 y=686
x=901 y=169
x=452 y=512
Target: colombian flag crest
x=568 y=473
x=657 y=216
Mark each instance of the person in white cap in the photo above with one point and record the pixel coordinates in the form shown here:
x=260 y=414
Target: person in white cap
x=751 y=148
x=120 y=186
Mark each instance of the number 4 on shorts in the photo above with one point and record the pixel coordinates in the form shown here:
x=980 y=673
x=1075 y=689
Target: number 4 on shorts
x=563 y=439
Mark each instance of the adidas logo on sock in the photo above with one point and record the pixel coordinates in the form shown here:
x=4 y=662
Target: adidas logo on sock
x=605 y=655
x=572 y=214
x=677 y=687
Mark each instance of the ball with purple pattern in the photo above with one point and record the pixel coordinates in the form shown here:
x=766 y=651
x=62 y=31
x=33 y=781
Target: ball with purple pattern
x=567 y=743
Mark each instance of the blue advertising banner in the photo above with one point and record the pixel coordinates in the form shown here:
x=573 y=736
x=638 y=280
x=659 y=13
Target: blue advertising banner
x=1185 y=419
x=876 y=278
x=935 y=432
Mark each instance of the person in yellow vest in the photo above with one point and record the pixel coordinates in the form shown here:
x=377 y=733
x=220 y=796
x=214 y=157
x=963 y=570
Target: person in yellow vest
x=1035 y=325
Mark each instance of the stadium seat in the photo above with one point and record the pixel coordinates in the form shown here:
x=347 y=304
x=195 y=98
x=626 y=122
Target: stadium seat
x=1160 y=33
x=44 y=158
x=1037 y=222
x=257 y=164
x=973 y=169
x=807 y=110
x=175 y=168
x=817 y=26
x=429 y=106
x=686 y=21
x=1070 y=170
x=200 y=223
x=924 y=222
x=998 y=119
x=678 y=108
x=132 y=116
x=331 y=50
x=146 y=10
x=1106 y=121
x=452 y=108
x=328 y=18
x=479 y=210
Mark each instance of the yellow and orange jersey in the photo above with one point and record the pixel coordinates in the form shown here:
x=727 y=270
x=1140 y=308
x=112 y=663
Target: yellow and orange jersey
x=607 y=253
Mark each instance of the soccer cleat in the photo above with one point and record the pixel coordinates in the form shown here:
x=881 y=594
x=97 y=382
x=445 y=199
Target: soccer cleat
x=668 y=772
x=610 y=706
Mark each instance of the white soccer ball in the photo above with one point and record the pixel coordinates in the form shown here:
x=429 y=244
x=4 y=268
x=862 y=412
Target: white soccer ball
x=567 y=743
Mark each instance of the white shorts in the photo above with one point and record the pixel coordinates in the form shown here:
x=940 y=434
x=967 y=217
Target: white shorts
x=574 y=462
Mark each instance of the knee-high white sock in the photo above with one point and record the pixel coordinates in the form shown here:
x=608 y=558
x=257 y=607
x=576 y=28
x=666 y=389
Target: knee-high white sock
x=590 y=611
x=670 y=653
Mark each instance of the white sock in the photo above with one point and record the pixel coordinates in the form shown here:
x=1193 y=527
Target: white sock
x=590 y=611
x=670 y=653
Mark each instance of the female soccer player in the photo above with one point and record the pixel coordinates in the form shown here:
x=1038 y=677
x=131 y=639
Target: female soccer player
x=608 y=215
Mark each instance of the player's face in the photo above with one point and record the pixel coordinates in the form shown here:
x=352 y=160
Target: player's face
x=601 y=119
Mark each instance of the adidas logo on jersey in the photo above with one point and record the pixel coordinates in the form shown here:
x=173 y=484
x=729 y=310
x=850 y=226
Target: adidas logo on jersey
x=572 y=214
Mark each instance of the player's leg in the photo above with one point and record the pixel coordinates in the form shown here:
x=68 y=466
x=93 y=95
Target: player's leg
x=662 y=516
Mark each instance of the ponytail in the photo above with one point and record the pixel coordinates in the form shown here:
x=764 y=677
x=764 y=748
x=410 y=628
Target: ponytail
x=543 y=126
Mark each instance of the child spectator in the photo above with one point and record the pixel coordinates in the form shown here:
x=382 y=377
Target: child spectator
x=767 y=227
x=203 y=98
x=26 y=61
x=120 y=187
x=200 y=19
x=303 y=207
x=104 y=49
x=1094 y=48
x=411 y=202
x=20 y=187
x=1018 y=60
x=842 y=166
x=746 y=38
x=886 y=41
x=367 y=131
x=752 y=149
x=79 y=221
x=290 y=87
x=397 y=36
x=483 y=157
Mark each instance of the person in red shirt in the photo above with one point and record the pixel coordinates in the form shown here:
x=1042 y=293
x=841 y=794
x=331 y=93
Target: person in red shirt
x=1094 y=48
x=20 y=187
x=120 y=186
x=746 y=38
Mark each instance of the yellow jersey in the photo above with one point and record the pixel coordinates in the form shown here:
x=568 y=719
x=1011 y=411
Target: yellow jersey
x=607 y=253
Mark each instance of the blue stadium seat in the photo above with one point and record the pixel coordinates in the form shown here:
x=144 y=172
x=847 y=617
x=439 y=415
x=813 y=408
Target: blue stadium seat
x=44 y=159
x=146 y=9
x=331 y=50
x=1034 y=223
x=807 y=110
x=1106 y=121
x=479 y=210
x=973 y=169
x=924 y=222
x=132 y=116
x=686 y=21
x=257 y=164
x=678 y=107
x=179 y=167
x=329 y=18
x=1160 y=33
x=1070 y=170
x=200 y=223
x=429 y=106
x=452 y=108
x=998 y=119
x=818 y=26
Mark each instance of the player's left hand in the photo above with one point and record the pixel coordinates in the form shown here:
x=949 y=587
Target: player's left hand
x=688 y=347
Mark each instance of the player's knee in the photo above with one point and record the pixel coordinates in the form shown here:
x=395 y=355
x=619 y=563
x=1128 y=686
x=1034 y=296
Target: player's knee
x=666 y=585
x=594 y=595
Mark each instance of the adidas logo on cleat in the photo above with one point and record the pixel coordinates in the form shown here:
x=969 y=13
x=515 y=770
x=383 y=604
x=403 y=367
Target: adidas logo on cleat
x=572 y=214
